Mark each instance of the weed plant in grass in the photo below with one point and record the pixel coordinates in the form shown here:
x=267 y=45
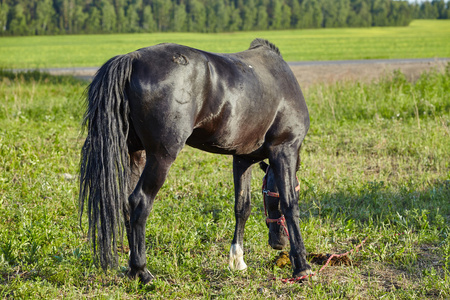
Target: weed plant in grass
x=374 y=164
x=421 y=39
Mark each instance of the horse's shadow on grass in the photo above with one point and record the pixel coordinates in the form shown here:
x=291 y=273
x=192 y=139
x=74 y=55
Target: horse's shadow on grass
x=404 y=226
x=378 y=204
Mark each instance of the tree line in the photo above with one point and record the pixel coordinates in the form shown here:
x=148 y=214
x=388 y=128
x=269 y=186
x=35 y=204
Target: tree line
x=436 y=9
x=46 y=17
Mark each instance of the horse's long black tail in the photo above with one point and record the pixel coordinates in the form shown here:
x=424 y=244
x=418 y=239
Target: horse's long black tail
x=104 y=169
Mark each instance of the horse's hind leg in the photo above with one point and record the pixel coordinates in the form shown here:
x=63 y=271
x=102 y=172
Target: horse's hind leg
x=284 y=162
x=137 y=164
x=141 y=203
x=242 y=173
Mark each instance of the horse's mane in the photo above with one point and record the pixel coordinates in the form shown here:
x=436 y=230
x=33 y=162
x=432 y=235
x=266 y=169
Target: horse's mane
x=263 y=42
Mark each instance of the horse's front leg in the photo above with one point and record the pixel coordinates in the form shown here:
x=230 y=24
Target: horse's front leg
x=242 y=174
x=284 y=166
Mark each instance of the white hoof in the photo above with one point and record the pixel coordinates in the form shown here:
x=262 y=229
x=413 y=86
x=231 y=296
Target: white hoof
x=236 y=261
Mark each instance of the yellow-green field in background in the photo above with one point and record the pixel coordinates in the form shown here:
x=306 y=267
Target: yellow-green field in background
x=422 y=39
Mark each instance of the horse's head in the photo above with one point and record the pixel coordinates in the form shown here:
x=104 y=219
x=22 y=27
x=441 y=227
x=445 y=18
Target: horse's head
x=278 y=237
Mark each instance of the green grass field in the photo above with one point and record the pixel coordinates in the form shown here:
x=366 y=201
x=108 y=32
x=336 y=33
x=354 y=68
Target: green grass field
x=422 y=39
x=375 y=164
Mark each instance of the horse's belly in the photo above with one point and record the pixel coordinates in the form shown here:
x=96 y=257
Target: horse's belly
x=225 y=142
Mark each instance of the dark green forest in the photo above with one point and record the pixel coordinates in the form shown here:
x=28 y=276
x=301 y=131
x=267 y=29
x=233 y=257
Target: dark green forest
x=46 y=17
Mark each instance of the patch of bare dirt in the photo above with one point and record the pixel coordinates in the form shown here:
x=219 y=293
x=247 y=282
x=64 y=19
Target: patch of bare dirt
x=329 y=74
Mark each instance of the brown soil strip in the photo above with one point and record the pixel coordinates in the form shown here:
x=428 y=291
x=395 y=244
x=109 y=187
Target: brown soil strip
x=329 y=74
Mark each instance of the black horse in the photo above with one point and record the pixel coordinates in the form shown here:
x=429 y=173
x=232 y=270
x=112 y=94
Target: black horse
x=144 y=106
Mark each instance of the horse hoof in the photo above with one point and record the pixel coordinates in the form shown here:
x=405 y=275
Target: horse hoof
x=305 y=275
x=145 y=277
x=236 y=260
